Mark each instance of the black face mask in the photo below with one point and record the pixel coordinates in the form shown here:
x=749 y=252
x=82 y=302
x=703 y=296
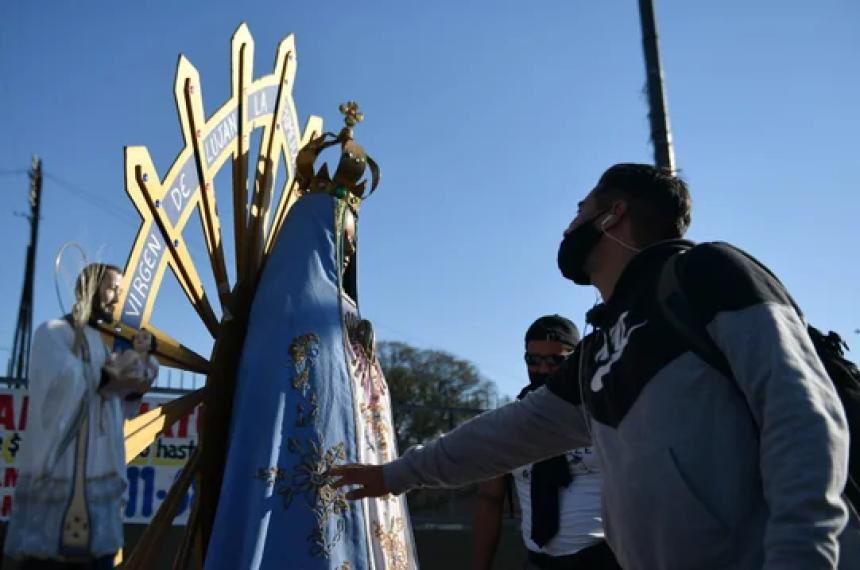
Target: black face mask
x=574 y=250
x=538 y=379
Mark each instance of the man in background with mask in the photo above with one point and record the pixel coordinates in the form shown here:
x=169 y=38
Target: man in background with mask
x=700 y=470
x=559 y=497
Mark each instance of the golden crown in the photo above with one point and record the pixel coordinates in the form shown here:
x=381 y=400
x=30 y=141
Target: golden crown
x=347 y=183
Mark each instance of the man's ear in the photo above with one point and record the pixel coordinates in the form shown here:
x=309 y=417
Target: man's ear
x=616 y=212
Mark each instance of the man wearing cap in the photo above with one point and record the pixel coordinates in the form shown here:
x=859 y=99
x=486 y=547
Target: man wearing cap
x=559 y=497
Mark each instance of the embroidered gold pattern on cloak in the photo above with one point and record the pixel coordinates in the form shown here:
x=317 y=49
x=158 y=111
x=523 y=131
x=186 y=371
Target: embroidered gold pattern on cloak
x=392 y=543
x=309 y=476
x=303 y=352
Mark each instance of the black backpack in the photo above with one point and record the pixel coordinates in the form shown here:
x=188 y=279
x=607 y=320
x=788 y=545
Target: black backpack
x=830 y=347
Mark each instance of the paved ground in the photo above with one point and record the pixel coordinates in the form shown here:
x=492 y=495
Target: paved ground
x=441 y=545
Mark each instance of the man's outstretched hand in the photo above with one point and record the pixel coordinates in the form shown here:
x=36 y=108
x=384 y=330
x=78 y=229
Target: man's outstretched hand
x=368 y=478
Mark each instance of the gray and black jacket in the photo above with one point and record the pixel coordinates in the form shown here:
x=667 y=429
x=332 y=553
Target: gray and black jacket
x=701 y=471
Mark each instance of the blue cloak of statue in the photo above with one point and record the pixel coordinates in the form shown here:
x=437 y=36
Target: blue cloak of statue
x=307 y=397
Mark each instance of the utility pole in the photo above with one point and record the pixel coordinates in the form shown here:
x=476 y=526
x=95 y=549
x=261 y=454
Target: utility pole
x=661 y=135
x=19 y=363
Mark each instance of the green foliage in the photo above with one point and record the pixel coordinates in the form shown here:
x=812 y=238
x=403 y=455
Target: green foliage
x=431 y=391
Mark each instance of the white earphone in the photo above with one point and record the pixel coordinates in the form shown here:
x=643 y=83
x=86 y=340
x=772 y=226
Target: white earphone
x=605 y=221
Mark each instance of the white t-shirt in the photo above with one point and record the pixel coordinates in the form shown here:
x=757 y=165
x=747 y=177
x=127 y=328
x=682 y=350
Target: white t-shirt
x=580 y=523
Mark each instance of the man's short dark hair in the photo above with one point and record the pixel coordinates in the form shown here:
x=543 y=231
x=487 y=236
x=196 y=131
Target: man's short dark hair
x=659 y=203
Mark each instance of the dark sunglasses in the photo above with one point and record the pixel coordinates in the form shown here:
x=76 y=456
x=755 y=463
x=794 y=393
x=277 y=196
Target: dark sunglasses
x=538 y=359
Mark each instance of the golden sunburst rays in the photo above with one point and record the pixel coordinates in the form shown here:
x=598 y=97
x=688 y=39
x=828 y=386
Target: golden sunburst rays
x=166 y=204
x=189 y=103
x=289 y=193
x=242 y=59
x=267 y=161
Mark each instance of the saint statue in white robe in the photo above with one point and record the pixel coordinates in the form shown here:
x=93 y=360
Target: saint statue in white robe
x=72 y=472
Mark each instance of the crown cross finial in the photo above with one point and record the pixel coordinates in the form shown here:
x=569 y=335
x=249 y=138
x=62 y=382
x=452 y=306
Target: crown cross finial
x=351 y=114
x=347 y=183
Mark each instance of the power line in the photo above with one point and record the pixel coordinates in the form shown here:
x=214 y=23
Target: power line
x=110 y=207
x=91 y=198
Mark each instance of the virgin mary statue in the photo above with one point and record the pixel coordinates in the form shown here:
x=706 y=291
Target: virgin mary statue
x=310 y=393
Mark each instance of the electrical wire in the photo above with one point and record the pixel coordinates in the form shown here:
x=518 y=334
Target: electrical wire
x=110 y=207
x=91 y=198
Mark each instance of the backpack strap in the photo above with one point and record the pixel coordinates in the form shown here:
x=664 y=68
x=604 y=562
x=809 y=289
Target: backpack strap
x=676 y=309
x=674 y=306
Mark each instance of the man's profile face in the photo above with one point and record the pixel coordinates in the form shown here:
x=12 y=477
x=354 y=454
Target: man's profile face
x=109 y=291
x=587 y=208
x=546 y=356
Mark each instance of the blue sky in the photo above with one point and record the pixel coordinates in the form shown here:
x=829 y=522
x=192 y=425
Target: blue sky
x=490 y=120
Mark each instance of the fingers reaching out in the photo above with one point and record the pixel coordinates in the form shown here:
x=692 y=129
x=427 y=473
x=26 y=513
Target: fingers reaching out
x=367 y=479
